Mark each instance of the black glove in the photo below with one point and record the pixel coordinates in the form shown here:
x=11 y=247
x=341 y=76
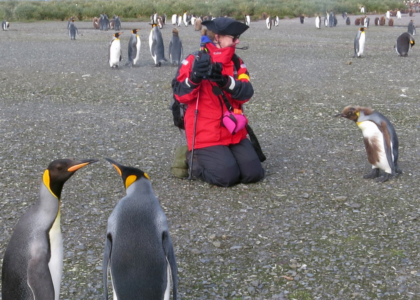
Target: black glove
x=216 y=75
x=202 y=65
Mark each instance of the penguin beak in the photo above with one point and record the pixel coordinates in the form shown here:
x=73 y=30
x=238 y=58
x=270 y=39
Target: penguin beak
x=80 y=164
x=116 y=165
x=339 y=115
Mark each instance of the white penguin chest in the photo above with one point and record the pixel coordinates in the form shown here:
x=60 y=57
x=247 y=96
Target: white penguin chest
x=138 y=45
x=114 y=52
x=376 y=144
x=361 y=43
x=55 y=264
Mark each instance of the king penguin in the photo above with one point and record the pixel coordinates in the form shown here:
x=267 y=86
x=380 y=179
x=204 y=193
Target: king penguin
x=133 y=48
x=175 y=48
x=359 y=42
x=138 y=248
x=411 y=28
x=117 y=23
x=115 y=54
x=157 y=49
x=73 y=30
x=404 y=42
x=247 y=20
x=33 y=261
x=268 y=22
x=185 y=18
x=380 y=140
x=5 y=25
x=318 y=22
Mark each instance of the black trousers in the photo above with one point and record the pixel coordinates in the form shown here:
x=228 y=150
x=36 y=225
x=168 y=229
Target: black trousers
x=227 y=165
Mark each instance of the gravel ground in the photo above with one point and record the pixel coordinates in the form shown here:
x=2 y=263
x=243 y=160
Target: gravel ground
x=313 y=229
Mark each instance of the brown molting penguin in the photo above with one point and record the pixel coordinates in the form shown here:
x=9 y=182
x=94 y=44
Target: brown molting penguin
x=197 y=24
x=380 y=140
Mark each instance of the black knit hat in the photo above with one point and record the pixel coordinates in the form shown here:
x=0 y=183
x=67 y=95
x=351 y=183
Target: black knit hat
x=225 y=26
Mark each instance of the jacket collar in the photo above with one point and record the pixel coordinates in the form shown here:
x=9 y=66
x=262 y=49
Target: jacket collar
x=221 y=55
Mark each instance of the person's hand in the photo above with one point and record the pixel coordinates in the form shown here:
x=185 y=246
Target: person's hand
x=217 y=76
x=201 y=68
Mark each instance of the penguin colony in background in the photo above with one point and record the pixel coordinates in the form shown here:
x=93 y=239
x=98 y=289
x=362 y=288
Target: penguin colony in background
x=380 y=140
x=146 y=267
x=33 y=260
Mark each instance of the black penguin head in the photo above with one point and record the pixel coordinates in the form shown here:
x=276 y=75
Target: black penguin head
x=134 y=31
x=59 y=171
x=175 y=32
x=128 y=174
x=349 y=112
x=117 y=34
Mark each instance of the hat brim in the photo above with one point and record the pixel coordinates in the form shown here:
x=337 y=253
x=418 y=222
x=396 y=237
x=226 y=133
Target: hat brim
x=225 y=26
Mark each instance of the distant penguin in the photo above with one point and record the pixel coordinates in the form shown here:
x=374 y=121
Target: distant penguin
x=382 y=21
x=175 y=48
x=331 y=19
x=69 y=22
x=380 y=140
x=164 y=18
x=326 y=22
x=96 y=23
x=318 y=22
x=362 y=9
x=179 y=22
x=377 y=21
x=404 y=42
x=5 y=25
x=184 y=18
x=268 y=22
x=348 y=22
x=33 y=260
x=139 y=253
x=411 y=28
x=73 y=30
x=366 y=22
x=344 y=15
x=157 y=49
x=247 y=20
x=117 y=23
x=388 y=14
x=399 y=15
x=302 y=19
x=193 y=19
x=391 y=22
x=159 y=22
x=174 y=19
x=154 y=18
x=134 y=45
x=276 y=21
x=101 y=22
x=359 y=42
x=197 y=25
x=106 y=22
x=115 y=53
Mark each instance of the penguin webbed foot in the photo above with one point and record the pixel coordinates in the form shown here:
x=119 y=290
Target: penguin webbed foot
x=384 y=178
x=373 y=174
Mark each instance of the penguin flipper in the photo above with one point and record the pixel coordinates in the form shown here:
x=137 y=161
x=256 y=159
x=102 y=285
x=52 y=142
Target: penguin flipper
x=107 y=257
x=170 y=51
x=170 y=255
x=39 y=277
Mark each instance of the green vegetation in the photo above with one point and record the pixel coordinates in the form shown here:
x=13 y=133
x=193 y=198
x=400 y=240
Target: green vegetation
x=142 y=9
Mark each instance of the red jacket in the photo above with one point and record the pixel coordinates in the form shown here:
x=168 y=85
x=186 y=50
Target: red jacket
x=210 y=131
